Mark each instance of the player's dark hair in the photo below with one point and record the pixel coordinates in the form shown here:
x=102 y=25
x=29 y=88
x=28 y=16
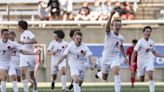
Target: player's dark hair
x=147 y=27
x=78 y=33
x=12 y=33
x=23 y=24
x=134 y=41
x=59 y=33
x=72 y=31
x=4 y=30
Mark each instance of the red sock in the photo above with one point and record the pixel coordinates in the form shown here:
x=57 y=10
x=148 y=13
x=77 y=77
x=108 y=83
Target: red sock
x=132 y=80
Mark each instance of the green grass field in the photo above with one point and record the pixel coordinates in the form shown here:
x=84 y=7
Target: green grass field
x=105 y=88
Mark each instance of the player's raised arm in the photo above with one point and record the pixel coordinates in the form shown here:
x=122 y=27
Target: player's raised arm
x=108 y=28
x=155 y=53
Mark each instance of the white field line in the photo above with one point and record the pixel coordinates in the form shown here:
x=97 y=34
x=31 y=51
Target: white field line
x=46 y=84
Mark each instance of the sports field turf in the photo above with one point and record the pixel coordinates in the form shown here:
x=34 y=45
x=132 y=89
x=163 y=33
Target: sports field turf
x=105 y=88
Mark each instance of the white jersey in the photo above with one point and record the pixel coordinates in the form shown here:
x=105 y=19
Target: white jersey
x=112 y=45
x=77 y=54
x=58 y=49
x=25 y=37
x=5 y=51
x=144 y=49
x=15 y=58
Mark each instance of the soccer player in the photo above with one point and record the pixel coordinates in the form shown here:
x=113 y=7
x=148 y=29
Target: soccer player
x=88 y=65
x=110 y=56
x=14 y=71
x=77 y=51
x=27 y=40
x=56 y=49
x=6 y=51
x=71 y=34
x=145 y=49
x=129 y=52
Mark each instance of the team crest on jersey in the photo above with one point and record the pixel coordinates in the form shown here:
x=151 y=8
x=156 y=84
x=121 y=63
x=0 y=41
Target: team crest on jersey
x=150 y=45
x=9 y=47
x=24 y=37
x=81 y=51
x=63 y=47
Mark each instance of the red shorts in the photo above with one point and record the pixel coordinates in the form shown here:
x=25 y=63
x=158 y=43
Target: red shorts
x=134 y=67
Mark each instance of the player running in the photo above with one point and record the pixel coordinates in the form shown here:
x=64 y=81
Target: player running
x=6 y=51
x=145 y=49
x=56 y=49
x=27 y=40
x=77 y=52
x=110 y=56
x=129 y=52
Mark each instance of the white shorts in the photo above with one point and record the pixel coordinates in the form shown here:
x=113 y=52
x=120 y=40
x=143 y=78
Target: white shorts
x=14 y=71
x=28 y=61
x=4 y=66
x=76 y=70
x=54 y=69
x=107 y=64
x=142 y=68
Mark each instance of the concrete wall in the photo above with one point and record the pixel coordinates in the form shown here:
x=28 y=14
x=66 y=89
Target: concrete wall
x=94 y=35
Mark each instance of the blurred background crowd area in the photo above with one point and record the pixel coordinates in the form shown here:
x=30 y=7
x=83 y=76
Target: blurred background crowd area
x=84 y=10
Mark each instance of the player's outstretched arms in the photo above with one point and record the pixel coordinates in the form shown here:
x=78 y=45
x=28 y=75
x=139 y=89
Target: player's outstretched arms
x=32 y=41
x=27 y=52
x=155 y=53
x=108 y=28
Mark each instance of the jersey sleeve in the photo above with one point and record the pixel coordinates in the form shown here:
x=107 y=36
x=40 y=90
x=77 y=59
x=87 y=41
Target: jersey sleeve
x=31 y=35
x=138 y=46
x=88 y=52
x=153 y=47
x=50 y=47
x=67 y=50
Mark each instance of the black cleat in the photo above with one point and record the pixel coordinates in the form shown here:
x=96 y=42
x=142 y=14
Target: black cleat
x=64 y=90
x=70 y=87
x=52 y=85
x=96 y=76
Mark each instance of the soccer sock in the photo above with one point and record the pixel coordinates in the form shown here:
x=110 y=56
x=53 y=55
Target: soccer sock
x=151 y=86
x=3 y=86
x=76 y=87
x=63 y=81
x=25 y=85
x=15 y=86
x=99 y=74
x=132 y=80
x=117 y=83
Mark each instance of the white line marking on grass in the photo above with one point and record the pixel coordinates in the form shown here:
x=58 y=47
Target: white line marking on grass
x=88 y=84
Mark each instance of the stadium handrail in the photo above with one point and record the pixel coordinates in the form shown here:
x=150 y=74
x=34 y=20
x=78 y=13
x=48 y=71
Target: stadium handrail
x=74 y=1
x=84 y=22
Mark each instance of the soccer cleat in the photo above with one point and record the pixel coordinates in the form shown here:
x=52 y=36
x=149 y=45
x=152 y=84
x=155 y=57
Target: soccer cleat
x=64 y=90
x=96 y=76
x=31 y=86
x=52 y=85
x=70 y=87
x=35 y=90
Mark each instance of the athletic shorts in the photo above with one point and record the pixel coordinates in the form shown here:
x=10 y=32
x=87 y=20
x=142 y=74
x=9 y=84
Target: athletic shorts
x=54 y=69
x=108 y=64
x=28 y=61
x=144 y=67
